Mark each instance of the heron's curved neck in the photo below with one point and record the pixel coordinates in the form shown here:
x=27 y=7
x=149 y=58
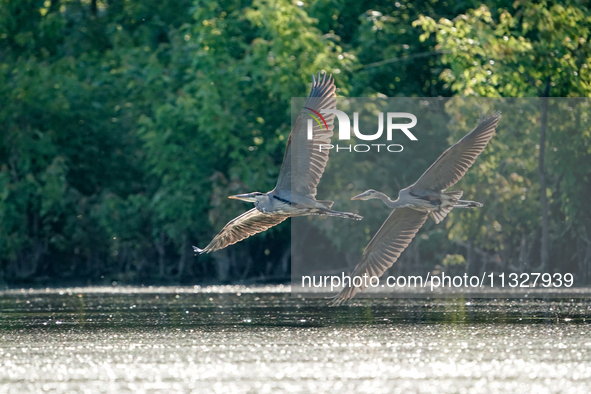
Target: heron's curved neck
x=387 y=200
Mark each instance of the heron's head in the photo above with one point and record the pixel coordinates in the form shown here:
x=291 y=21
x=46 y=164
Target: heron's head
x=250 y=197
x=366 y=195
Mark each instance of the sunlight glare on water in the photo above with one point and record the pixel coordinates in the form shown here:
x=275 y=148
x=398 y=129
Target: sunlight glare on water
x=227 y=339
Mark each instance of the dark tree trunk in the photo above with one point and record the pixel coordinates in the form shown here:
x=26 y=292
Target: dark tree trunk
x=470 y=258
x=159 y=244
x=584 y=256
x=544 y=256
x=29 y=258
x=523 y=255
x=223 y=263
x=284 y=262
x=249 y=262
x=183 y=258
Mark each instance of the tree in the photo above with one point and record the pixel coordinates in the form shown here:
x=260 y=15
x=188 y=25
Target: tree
x=537 y=49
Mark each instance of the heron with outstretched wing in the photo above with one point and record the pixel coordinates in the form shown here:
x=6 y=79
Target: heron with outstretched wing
x=427 y=196
x=301 y=170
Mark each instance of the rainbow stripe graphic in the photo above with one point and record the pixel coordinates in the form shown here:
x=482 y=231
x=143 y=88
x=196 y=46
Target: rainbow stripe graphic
x=317 y=120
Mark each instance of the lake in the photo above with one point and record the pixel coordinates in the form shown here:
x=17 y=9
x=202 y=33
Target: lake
x=260 y=339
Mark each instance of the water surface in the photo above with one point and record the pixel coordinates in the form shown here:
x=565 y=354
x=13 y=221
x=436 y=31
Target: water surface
x=235 y=339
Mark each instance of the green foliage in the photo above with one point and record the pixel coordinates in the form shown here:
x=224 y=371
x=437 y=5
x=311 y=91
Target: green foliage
x=124 y=125
x=453 y=259
x=526 y=49
x=513 y=52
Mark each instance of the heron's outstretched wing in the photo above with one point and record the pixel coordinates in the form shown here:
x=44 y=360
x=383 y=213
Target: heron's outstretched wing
x=245 y=225
x=385 y=247
x=304 y=163
x=452 y=165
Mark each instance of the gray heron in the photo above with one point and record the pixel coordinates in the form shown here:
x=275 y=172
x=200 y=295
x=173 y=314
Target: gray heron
x=301 y=170
x=427 y=196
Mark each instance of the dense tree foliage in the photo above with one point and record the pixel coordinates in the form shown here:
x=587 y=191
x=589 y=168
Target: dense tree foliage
x=125 y=124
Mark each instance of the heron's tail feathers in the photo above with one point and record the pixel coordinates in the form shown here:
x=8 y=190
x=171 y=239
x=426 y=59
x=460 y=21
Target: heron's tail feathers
x=326 y=203
x=448 y=201
x=456 y=195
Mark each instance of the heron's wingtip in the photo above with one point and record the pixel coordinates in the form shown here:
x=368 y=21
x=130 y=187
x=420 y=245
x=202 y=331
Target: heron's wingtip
x=495 y=114
x=197 y=250
x=335 y=300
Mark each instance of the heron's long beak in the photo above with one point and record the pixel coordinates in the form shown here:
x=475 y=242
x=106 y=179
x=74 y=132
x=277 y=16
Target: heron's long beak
x=359 y=196
x=249 y=197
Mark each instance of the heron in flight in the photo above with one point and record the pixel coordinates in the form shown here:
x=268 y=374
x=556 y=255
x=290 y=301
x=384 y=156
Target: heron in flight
x=426 y=196
x=301 y=170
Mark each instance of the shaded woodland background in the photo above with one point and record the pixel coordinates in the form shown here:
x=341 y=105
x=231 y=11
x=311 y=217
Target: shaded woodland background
x=124 y=126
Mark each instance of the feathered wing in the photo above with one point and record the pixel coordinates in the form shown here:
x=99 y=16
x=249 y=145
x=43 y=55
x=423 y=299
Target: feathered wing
x=249 y=223
x=385 y=247
x=453 y=164
x=304 y=163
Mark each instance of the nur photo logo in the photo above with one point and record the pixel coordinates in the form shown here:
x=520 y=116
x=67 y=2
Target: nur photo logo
x=345 y=130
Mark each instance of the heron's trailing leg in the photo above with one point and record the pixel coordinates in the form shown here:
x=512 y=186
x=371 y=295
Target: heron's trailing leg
x=468 y=204
x=330 y=212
